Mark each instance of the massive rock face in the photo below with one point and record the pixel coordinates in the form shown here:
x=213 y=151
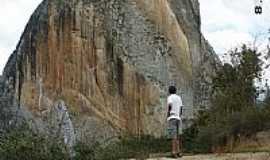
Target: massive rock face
x=110 y=62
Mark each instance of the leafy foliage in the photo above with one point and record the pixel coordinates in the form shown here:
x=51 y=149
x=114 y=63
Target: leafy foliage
x=128 y=147
x=23 y=144
x=234 y=113
x=234 y=87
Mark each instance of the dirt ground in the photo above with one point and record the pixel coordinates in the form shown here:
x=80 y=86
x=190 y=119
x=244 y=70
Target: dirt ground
x=234 y=156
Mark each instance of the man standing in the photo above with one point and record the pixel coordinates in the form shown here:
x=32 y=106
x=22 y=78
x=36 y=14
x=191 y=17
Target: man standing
x=174 y=104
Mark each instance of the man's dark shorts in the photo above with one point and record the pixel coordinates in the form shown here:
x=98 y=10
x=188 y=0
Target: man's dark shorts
x=174 y=128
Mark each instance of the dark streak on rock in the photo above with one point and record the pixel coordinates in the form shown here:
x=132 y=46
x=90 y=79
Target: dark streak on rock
x=120 y=76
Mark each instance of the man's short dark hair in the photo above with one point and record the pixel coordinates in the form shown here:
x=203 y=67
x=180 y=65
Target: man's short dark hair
x=172 y=90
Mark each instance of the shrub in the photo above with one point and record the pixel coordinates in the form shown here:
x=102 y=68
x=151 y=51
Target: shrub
x=124 y=148
x=223 y=132
x=25 y=145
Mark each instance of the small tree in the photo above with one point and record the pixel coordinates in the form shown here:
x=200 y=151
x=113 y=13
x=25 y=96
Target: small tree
x=234 y=85
x=233 y=111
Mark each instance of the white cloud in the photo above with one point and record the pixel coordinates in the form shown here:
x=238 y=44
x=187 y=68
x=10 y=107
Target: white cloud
x=224 y=40
x=14 y=14
x=226 y=22
x=229 y=23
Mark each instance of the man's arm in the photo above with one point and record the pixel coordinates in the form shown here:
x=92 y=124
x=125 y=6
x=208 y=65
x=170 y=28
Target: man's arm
x=181 y=106
x=169 y=110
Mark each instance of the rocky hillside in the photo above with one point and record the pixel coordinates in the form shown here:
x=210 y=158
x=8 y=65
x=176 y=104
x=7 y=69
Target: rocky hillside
x=102 y=67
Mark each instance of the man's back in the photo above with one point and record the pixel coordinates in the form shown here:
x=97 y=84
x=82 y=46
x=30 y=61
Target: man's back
x=175 y=102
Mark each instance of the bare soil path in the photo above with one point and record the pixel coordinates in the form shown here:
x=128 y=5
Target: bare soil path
x=227 y=156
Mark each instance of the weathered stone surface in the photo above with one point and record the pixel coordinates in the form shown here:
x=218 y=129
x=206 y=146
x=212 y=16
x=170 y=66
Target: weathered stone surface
x=8 y=110
x=62 y=124
x=111 y=62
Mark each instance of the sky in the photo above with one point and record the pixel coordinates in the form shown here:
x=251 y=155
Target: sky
x=225 y=23
x=14 y=15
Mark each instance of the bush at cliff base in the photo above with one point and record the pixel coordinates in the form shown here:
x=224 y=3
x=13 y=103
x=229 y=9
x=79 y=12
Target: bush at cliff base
x=25 y=145
x=223 y=134
x=124 y=148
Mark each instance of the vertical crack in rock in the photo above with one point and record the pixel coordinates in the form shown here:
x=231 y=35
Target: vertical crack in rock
x=40 y=93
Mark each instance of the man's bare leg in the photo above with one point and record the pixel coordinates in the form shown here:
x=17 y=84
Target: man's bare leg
x=179 y=146
x=174 y=146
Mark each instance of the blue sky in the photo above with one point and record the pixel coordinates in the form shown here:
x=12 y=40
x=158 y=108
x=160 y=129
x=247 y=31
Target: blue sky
x=225 y=23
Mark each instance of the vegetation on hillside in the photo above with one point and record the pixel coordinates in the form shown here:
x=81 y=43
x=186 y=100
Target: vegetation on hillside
x=234 y=113
x=23 y=144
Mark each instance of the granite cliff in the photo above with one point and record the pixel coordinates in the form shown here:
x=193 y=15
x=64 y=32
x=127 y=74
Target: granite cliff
x=102 y=67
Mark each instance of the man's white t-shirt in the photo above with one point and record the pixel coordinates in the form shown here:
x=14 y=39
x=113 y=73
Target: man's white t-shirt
x=176 y=104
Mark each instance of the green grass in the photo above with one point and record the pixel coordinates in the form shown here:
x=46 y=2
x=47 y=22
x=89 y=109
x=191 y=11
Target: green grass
x=125 y=148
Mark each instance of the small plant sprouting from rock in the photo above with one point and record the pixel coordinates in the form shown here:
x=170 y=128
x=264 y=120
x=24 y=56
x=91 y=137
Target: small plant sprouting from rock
x=60 y=3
